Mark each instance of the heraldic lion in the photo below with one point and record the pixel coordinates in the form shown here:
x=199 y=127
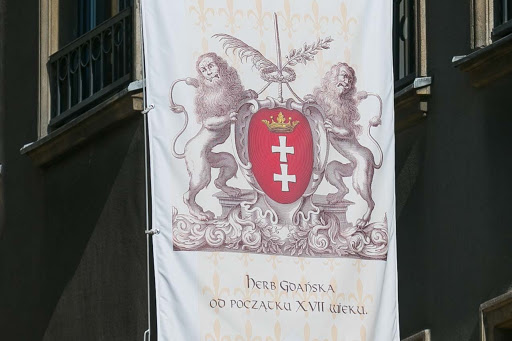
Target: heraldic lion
x=339 y=99
x=219 y=91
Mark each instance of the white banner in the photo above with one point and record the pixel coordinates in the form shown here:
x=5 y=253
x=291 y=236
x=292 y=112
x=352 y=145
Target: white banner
x=272 y=169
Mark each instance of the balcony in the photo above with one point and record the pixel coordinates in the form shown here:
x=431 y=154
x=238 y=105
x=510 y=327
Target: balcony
x=90 y=85
x=90 y=69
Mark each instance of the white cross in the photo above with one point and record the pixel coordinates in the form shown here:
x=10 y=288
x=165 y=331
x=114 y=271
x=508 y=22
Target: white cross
x=284 y=178
x=282 y=149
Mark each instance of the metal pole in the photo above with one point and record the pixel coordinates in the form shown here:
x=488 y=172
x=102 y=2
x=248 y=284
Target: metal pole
x=147 y=333
x=279 y=61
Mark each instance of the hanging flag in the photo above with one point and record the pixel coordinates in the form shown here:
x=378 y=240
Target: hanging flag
x=272 y=169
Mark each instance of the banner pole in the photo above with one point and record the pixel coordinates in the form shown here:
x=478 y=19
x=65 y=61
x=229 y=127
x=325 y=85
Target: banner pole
x=148 y=231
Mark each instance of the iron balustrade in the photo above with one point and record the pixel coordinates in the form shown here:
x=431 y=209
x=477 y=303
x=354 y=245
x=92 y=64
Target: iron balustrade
x=92 y=67
x=502 y=18
x=404 y=42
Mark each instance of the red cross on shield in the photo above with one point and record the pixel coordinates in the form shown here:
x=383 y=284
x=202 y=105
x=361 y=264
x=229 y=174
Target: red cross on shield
x=280 y=148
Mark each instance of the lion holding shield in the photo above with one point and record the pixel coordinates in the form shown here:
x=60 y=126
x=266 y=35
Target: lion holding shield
x=219 y=91
x=339 y=99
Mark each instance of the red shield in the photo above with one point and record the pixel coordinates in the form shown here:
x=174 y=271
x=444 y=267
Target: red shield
x=281 y=152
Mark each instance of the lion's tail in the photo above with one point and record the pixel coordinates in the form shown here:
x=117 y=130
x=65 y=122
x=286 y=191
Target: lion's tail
x=381 y=154
x=374 y=122
x=177 y=108
x=173 y=149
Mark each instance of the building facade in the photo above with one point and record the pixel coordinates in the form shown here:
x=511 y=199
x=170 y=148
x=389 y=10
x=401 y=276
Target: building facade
x=72 y=242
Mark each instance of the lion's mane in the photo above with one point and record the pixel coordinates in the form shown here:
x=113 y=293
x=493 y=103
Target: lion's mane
x=221 y=97
x=341 y=110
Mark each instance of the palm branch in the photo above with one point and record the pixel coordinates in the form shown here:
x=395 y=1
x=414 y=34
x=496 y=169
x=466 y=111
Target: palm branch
x=307 y=52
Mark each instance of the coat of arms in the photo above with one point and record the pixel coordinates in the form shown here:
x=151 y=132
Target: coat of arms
x=282 y=149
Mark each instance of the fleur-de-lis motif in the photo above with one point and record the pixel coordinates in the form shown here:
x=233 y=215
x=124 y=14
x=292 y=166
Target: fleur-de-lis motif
x=277 y=294
x=263 y=47
x=216 y=336
x=277 y=333
x=347 y=54
x=289 y=18
x=302 y=262
x=232 y=15
x=307 y=334
x=248 y=334
x=333 y=298
x=216 y=291
x=246 y=258
x=330 y=261
x=274 y=260
x=204 y=44
x=363 y=333
x=322 y=66
x=246 y=293
x=359 y=264
x=334 y=334
x=215 y=257
x=305 y=296
x=360 y=299
x=344 y=22
x=260 y=17
x=202 y=14
x=317 y=20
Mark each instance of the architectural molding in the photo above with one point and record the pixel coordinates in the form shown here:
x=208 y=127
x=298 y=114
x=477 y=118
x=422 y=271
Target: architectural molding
x=488 y=63
x=119 y=107
x=424 y=335
x=482 y=22
x=496 y=318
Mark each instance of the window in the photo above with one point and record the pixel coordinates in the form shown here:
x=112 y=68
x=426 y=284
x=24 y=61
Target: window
x=95 y=59
x=404 y=42
x=491 y=42
x=412 y=84
x=496 y=318
x=90 y=72
x=502 y=18
x=87 y=53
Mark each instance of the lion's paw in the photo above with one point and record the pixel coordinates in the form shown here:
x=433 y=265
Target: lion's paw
x=232 y=192
x=361 y=223
x=334 y=198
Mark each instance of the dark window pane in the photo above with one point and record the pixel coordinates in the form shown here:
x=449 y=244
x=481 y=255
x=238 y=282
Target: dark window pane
x=77 y=17
x=404 y=40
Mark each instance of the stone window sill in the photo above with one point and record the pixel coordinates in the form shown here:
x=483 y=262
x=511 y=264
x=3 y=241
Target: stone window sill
x=421 y=336
x=487 y=63
x=411 y=103
x=496 y=318
x=116 y=108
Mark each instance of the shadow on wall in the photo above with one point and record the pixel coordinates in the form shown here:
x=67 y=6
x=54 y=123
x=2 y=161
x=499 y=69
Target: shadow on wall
x=2 y=207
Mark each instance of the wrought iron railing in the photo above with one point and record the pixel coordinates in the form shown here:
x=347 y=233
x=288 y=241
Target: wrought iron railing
x=91 y=68
x=404 y=42
x=502 y=18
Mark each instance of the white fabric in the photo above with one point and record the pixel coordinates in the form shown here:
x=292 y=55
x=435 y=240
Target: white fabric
x=190 y=282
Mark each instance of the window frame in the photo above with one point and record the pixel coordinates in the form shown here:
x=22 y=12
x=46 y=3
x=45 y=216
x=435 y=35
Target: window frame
x=501 y=26
x=489 y=58
x=412 y=92
x=49 y=45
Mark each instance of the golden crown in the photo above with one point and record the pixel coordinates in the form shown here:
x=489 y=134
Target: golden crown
x=280 y=126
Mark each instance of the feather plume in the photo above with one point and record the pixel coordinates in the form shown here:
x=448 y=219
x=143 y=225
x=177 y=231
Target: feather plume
x=244 y=51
